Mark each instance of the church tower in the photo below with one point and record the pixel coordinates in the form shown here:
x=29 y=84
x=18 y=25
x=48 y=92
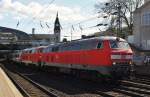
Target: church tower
x=57 y=29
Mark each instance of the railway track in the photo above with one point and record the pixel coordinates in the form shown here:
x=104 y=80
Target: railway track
x=136 y=87
x=28 y=87
x=32 y=84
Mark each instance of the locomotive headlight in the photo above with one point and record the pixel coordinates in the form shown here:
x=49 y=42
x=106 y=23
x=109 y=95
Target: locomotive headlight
x=115 y=56
x=114 y=63
x=130 y=62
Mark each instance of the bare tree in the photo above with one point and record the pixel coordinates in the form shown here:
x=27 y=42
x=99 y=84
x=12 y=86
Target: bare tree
x=127 y=7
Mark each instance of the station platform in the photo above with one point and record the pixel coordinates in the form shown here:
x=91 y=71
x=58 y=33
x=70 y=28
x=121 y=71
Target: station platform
x=7 y=88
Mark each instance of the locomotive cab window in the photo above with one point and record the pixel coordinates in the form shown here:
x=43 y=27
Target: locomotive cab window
x=100 y=45
x=119 y=45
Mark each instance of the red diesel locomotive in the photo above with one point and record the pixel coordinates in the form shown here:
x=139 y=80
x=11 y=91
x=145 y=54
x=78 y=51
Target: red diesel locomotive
x=31 y=55
x=104 y=55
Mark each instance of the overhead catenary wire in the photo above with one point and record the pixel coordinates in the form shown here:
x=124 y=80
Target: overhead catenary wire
x=34 y=17
x=89 y=19
x=83 y=28
x=81 y=22
x=46 y=23
x=80 y=27
x=70 y=25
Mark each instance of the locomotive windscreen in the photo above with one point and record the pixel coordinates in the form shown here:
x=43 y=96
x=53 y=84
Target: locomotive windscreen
x=119 y=44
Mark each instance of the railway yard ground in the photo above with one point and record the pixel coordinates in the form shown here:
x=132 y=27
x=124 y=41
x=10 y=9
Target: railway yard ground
x=32 y=82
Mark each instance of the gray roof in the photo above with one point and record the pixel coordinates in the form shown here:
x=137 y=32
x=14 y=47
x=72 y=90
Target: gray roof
x=20 y=34
x=42 y=36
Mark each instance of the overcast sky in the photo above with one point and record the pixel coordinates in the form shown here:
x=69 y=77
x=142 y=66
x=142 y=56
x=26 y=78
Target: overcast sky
x=40 y=14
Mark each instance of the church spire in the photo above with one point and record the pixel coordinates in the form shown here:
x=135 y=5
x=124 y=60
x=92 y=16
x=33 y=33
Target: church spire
x=57 y=14
x=57 y=24
x=57 y=28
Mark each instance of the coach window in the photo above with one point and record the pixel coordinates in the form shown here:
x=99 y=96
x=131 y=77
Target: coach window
x=100 y=45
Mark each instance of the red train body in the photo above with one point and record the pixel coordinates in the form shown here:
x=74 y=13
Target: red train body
x=31 y=55
x=105 y=55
